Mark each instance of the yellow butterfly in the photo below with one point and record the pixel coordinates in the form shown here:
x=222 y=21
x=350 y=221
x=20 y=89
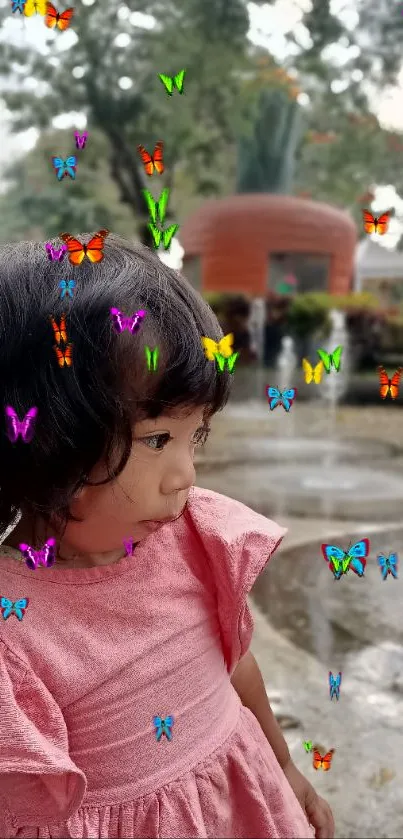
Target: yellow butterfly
x=224 y=347
x=312 y=374
x=33 y=7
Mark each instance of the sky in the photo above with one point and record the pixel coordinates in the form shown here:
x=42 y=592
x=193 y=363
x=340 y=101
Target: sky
x=268 y=25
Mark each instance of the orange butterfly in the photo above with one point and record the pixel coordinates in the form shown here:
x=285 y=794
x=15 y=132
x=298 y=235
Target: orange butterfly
x=64 y=356
x=388 y=385
x=54 y=19
x=59 y=330
x=320 y=762
x=376 y=225
x=155 y=161
x=77 y=251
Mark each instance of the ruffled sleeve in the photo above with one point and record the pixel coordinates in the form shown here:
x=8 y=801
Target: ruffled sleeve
x=39 y=784
x=238 y=543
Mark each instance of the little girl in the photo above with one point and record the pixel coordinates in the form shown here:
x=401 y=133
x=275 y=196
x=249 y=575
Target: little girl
x=130 y=705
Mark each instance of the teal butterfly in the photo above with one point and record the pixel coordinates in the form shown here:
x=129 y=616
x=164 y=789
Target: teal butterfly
x=165 y=236
x=157 y=207
x=331 y=359
x=170 y=82
x=221 y=359
x=152 y=357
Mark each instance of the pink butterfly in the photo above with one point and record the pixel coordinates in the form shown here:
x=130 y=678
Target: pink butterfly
x=46 y=556
x=81 y=139
x=16 y=427
x=133 y=323
x=129 y=546
x=55 y=254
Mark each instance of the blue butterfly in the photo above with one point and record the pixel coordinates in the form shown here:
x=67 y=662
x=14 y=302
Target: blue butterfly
x=163 y=726
x=65 y=167
x=18 y=6
x=275 y=397
x=334 y=685
x=341 y=561
x=17 y=608
x=388 y=565
x=67 y=287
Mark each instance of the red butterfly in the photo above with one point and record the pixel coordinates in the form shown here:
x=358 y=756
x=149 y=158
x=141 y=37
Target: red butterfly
x=64 y=357
x=376 y=225
x=77 y=251
x=388 y=385
x=55 y=20
x=154 y=162
x=324 y=762
x=59 y=329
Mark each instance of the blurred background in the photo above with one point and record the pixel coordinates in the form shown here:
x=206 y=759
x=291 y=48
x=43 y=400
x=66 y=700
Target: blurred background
x=291 y=123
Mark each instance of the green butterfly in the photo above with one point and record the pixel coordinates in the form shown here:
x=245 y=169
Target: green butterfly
x=163 y=235
x=152 y=357
x=220 y=359
x=331 y=359
x=341 y=565
x=308 y=745
x=157 y=207
x=170 y=81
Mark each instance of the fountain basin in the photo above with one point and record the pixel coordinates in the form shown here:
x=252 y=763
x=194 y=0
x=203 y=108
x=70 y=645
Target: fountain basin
x=339 y=491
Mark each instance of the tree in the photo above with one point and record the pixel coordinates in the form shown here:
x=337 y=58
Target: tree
x=186 y=34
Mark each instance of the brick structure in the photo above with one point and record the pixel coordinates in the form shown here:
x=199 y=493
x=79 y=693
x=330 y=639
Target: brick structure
x=232 y=244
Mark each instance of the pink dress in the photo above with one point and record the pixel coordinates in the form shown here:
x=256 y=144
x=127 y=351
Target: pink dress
x=100 y=652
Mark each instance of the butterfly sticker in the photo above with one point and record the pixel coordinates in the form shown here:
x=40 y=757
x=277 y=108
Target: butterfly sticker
x=153 y=162
x=387 y=385
x=221 y=361
x=16 y=607
x=16 y=428
x=224 y=347
x=132 y=323
x=275 y=397
x=163 y=726
x=81 y=139
x=308 y=745
x=312 y=374
x=65 y=167
x=45 y=556
x=334 y=685
x=17 y=6
x=331 y=359
x=163 y=235
x=324 y=762
x=388 y=565
x=77 y=251
x=129 y=546
x=340 y=561
x=67 y=287
x=376 y=225
x=152 y=357
x=56 y=20
x=157 y=208
x=64 y=356
x=35 y=7
x=59 y=329
x=170 y=82
x=55 y=254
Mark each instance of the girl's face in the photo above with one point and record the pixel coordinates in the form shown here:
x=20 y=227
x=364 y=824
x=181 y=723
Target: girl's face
x=153 y=487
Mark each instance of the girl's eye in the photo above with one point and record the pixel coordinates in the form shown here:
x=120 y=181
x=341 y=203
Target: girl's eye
x=201 y=435
x=157 y=441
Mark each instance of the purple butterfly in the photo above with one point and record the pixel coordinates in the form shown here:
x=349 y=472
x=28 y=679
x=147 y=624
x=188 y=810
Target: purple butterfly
x=133 y=323
x=81 y=139
x=129 y=546
x=54 y=253
x=46 y=556
x=15 y=426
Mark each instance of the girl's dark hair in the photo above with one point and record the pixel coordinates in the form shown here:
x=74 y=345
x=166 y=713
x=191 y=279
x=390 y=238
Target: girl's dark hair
x=86 y=412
